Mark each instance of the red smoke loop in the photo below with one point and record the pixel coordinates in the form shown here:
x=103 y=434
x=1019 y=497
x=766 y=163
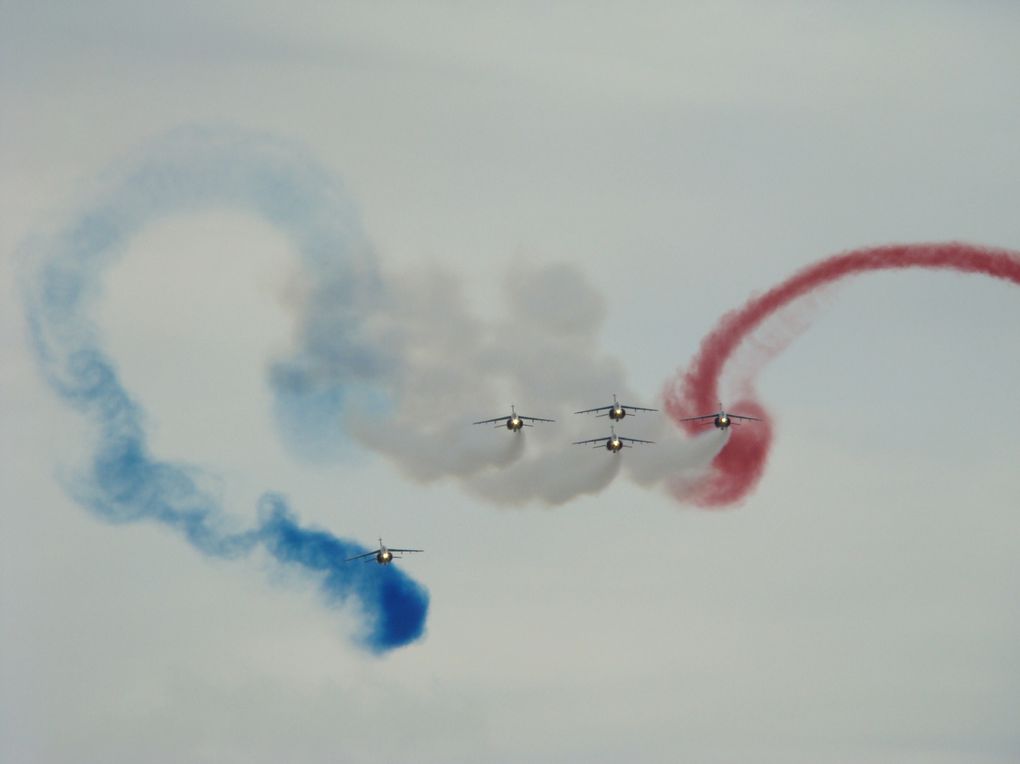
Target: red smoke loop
x=738 y=467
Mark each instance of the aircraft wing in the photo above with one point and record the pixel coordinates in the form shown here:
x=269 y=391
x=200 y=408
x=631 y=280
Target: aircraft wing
x=490 y=421
x=592 y=411
x=361 y=556
x=535 y=419
x=738 y=416
x=704 y=416
x=603 y=439
x=636 y=408
x=634 y=440
x=392 y=549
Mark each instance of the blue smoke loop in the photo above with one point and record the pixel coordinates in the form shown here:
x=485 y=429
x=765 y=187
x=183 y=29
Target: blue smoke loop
x=190 y=170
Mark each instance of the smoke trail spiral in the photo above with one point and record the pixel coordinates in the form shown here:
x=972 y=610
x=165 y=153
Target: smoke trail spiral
x=738 y=467
x=123 y=481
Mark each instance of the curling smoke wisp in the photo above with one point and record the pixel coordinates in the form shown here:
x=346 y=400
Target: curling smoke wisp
x=736 y=469
x=122 y=480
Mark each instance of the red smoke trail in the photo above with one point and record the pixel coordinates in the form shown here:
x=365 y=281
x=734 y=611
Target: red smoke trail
x=738 y=467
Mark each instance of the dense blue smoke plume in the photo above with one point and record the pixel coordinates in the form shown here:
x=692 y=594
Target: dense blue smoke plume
x=123 y=482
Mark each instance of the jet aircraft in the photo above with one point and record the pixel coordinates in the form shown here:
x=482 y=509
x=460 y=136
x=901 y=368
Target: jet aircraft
x=613 y=443
x=383 y=555
x=721 y=419
x=515 y=421
x=615 y=410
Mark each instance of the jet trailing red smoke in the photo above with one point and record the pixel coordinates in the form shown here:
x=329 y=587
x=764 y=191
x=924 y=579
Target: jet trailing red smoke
x=739 y=465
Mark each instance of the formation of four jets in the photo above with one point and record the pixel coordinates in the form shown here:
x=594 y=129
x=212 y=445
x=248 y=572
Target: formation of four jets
x=616 y=411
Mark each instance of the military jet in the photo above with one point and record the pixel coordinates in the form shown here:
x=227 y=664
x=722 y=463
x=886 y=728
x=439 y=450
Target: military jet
x=515 y=421
x=721 y=419
x=383 y=555
x=613 y=443
x=615 y=410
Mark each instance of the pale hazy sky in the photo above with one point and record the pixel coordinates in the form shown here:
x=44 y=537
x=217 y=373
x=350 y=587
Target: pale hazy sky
x=565 y=197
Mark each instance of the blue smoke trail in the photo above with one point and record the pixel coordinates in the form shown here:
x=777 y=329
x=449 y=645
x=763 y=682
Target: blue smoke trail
x=190 y=170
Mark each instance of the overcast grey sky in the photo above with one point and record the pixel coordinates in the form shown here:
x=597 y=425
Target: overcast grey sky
x=564 y=198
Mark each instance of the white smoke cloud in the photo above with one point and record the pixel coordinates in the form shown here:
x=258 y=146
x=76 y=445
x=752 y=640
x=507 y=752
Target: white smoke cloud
x=446 y=368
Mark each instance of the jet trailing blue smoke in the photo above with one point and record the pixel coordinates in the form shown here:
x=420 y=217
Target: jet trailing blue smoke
x=399 y=603
x=192 y=170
